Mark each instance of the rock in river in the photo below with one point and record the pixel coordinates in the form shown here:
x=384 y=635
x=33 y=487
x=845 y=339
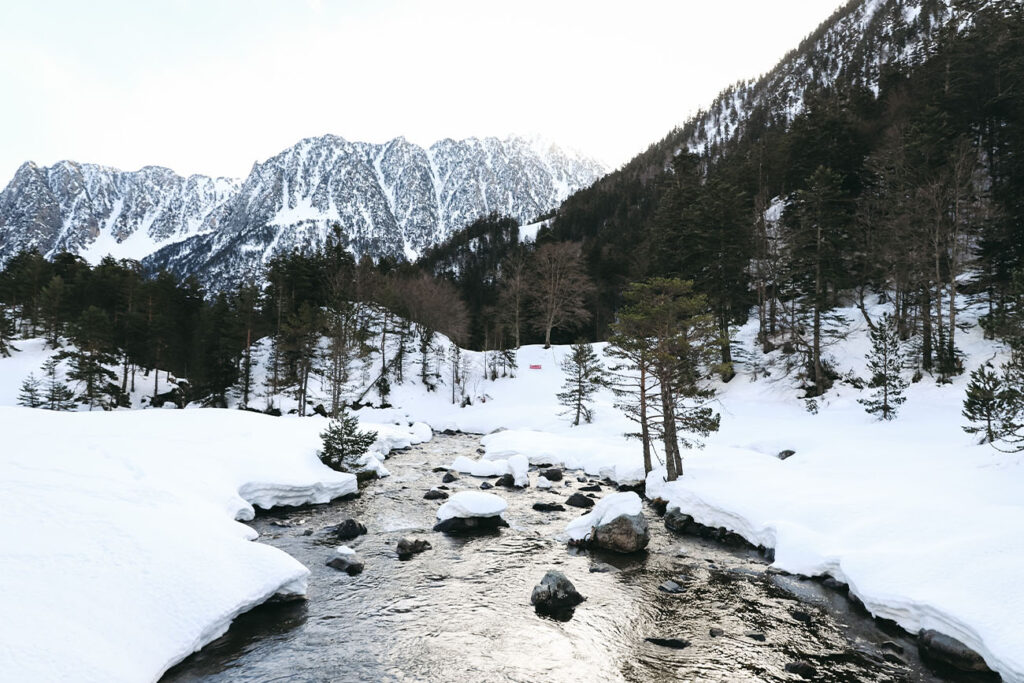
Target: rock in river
x=345 y=559
x=407 y=547
x=346 y=530
x=943 y=649
x=578 y=500
x=616 y=523
x=471 y=511
x=554 y=592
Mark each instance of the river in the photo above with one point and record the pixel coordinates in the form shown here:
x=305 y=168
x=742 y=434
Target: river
x=461 y=611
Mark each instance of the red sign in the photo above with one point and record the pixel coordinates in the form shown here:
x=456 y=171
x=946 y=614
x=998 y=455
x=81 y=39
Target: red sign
x=535 y=367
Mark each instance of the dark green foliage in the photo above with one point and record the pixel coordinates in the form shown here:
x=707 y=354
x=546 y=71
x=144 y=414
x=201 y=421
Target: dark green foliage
x=56 y=394
x=668 y=318
x=31 y=395
x=994 y=407
x=584 y=375
x=885 y=363
x=6 y=334
x=343 y=442
x=88 y=360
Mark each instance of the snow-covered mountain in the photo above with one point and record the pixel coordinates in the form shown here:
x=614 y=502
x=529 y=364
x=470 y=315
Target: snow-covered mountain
x=388 y=199
x=857 y=44
x=95 y=210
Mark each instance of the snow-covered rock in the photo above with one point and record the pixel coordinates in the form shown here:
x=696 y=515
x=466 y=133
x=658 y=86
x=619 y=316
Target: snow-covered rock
x=616 y=523
x=346 y=560
x=466 y=504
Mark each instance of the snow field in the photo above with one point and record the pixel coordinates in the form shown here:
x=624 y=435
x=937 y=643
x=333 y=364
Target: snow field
x=121 y=553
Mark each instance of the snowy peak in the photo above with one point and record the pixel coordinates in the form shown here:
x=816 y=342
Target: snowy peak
x=858 y=44
x=94 y=210
x=390 y=199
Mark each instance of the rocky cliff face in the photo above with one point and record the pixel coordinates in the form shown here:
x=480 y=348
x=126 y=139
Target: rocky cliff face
x=386 y=199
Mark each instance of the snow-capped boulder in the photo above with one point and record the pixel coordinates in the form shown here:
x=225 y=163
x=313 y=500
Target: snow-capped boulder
x=471 y=511
x=543 y=482
x=616 y=523
x=347 y=560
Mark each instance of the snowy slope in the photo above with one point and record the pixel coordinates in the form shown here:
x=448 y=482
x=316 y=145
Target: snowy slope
x=857 y=43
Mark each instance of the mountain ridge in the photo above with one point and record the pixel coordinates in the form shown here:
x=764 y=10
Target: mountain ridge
x=389 y=199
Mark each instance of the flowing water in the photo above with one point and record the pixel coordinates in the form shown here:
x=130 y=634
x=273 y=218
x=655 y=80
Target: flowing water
x=461 y=611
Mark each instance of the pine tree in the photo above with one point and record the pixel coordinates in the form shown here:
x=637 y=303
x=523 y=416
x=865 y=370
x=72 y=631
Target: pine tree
x=584 y=375
x=994 y=407
x=343 y=442
x=6 y=334
x=57 y=395
x=683 y=344
x=885 y=361
x=88 y=361
x=30 y=396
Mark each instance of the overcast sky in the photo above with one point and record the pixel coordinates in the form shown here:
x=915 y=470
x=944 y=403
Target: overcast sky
x=210 y=86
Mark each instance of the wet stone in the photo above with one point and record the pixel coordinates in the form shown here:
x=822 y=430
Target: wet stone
x=407 y=547
x=554 y=592
x=939 y=648
x=578 y=500
x=449 y=477
x=802 y=669
x=486 y=485
x=801 y=616
x=345 y=530
x=674 y=643
x=553 y=474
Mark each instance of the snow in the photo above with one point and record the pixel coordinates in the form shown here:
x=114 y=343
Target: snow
x=543 y=482
x=926 y=526
x=480 y=468
x=472 y=504
x=607 y=509
x=121 y=550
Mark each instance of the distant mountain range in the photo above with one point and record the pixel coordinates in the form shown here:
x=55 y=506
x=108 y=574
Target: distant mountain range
x=393 y=199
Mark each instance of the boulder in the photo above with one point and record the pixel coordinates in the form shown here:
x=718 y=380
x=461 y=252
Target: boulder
x=676 y=521
x=435 y=494
x=624 y=534
x=592 y=487
x=345 y=559
x=469 y=525
x=449 y=477
x=802 y=669
x=346 y=530
x=945 y=650
x=469 y=511
x=616 y=523
x=578 y=500
x=407 y=547
x=674 y=643
x=788 y=453
x=548 y=507
x=486 y=485
x=553 y=474
x=506 y=480
x=555 y=592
